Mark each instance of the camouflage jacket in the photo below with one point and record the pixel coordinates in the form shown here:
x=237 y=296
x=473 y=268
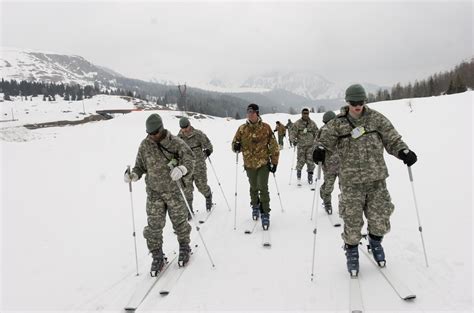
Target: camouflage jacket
x=259 y=146
x=198 y=142
x=153 y=159
x=331 y=163
x=281 y=130
x=304 y=132
x=361 y=158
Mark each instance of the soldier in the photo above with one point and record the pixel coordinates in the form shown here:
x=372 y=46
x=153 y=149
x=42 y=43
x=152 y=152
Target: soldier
x=158 y=153
x=289 y=127
x=303 y=134
x=359 y=135
x=281 y=130
x=330 y=167
x=260 y=152
x=202 y=148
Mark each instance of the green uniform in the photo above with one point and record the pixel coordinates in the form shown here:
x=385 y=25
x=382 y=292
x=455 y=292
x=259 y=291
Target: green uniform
x=304 y=133
x=360 y=144
x=163 y=194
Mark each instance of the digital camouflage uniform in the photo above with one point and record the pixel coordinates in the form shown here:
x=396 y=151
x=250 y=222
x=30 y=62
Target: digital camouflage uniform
x=289 y=127
x=163 y=194
x=198 y=142
x=259 y=148
x=281 y=130
x=330 y=169
x=304 y=133
x=362 y=170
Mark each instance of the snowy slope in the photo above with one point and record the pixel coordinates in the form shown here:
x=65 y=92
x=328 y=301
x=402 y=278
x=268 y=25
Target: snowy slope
x=66 y=223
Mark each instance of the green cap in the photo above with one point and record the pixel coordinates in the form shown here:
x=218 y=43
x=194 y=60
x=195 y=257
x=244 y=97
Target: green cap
x=184 y=122
x=329 y=115
x=356 y=93
x=154 y=123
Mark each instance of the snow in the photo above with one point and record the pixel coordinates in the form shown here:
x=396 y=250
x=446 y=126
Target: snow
x=67 y=240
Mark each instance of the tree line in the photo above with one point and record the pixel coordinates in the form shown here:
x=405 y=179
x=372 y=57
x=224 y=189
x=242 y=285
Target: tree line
x=449 y=82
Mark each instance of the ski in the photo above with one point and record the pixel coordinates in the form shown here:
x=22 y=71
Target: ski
x=208 y=214
x=397 y=285
x=356 y=305
x=266 y=239
x=175 y=275
x=145 y=288
x=251 y=227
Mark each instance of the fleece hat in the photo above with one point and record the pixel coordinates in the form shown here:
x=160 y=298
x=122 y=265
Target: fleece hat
x=154 y=123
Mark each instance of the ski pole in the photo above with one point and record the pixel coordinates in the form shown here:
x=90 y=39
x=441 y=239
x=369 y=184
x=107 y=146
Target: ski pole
x=218 y=182
x=133 y=220
x=235 y=201
x=194 y=222
x=292 y=163
x=417 y=214
x=278 y=192
x=315 y=219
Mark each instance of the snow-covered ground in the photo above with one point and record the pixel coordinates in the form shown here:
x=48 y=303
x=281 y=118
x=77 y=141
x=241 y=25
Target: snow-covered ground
x=67 y=245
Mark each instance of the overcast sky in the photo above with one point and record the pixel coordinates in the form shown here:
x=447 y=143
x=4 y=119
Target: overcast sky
x=381 y=43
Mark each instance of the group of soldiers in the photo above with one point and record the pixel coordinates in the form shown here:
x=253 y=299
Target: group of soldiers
x=349 y=146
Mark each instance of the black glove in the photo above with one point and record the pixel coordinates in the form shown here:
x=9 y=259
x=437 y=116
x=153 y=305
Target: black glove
x=207 y=152
x=409 y=157
x=319 y=154
x=237 y=146
x=295 y=143
x=272 y=167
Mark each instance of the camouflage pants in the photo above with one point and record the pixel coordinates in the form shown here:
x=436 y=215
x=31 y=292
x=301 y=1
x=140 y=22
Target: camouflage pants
x=258 y=179
x=305 y=156
x=199 y=178
x=370 y=199
x=156 y=207
x=327 y=187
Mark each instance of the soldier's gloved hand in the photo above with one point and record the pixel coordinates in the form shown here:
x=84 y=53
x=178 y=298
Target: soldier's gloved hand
x=178 y=172
x=236 y=147
x=319 y=154
x=408 y=157
x=207 y=152
x=130 y=177
x=272 y=167
x=295 y=143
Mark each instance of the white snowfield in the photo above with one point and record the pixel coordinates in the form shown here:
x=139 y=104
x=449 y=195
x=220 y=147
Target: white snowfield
x=67 y=240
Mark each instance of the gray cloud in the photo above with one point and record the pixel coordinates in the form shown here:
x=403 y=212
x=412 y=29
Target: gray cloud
x=379 y=42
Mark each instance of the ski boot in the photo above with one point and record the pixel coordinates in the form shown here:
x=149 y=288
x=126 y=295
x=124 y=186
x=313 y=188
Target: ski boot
x=209 y=203
x=159 y=261
x=265 y=221
x=184 y=254
x=328 y=207
x=375 y=245
x=255 y=212
x=298 y=177
x=310 y=178
x=352 y=256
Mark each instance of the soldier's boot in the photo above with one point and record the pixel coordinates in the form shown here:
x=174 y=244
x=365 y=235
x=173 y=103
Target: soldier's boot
x=375 y=245
x=352 y=258
x=255 y=211
x=310 y=178
x=298 y=176
x=265 y=221
x=328 y=207
x=209 y=202
x=184 y=254
x=159 y=261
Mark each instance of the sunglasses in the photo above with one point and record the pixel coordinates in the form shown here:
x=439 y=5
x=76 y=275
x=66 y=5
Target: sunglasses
x=356 y=103
x=251 y=111
x=306 y=113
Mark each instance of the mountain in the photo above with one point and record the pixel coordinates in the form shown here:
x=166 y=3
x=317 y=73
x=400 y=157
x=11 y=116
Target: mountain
x=52 y=67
